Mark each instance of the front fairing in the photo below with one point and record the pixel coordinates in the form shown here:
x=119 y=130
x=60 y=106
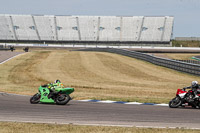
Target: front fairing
x=181 y=93
x=44 y=95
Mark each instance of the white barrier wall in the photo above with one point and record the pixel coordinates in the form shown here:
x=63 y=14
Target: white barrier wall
x=6 y=30
x=168 y=28
x=152 y=29
x=109 y=28
x=86 y=28
x=45 y=26
x=67 y=28
x=24 y=27
x=131 y=27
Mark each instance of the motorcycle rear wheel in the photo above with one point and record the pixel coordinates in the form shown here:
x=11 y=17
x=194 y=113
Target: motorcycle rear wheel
x=175 y=102
x=35 y=98
x=62 y=99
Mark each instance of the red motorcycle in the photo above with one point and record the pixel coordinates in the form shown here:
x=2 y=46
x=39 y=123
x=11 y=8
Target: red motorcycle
x=184 y=98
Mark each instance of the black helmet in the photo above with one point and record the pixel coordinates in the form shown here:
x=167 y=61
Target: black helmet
x=56 y=81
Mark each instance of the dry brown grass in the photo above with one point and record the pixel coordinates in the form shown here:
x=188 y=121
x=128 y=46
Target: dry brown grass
x=12 y=127
x=93 y=75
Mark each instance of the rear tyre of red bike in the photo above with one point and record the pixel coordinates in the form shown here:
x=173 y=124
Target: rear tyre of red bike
x=175 y=102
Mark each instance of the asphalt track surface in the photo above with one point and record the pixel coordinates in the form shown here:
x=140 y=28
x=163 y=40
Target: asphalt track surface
x=18 y=108
x=5 y=55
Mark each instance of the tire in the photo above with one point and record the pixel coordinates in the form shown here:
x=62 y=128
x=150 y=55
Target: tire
x=35 y=98
x=62 y=99
x=175 y=102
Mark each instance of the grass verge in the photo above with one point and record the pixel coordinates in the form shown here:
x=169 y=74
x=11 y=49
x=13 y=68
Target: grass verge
x=13 y=127
x=185 y=43
x=94 y=75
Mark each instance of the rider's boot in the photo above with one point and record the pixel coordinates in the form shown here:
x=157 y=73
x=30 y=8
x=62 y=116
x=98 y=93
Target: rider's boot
x=195 y=95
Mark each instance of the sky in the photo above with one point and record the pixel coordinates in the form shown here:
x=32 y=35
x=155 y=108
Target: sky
x=186 y=12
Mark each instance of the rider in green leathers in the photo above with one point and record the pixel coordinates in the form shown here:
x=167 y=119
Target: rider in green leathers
x=55 y=87
x=58 y=85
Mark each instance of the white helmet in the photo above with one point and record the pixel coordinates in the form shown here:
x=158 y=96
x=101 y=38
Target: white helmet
x=194 y=83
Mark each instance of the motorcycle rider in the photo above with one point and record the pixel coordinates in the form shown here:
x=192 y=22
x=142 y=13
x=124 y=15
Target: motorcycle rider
x=195 y=87
x=58 y=84
x=53 y=88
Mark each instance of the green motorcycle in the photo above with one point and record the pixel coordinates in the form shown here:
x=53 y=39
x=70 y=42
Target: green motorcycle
x=60 y=96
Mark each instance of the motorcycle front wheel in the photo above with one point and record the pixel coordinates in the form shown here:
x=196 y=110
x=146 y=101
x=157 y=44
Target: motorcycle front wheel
x=35 y=98
x=62 y=99
x=175 y=102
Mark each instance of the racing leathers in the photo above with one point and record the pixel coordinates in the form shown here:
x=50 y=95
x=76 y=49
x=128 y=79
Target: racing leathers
x=195 y=89
x=54 y=88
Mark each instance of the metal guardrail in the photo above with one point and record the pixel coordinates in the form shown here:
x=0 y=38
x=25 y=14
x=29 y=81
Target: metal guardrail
x=169 y=63
x=191 y=61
